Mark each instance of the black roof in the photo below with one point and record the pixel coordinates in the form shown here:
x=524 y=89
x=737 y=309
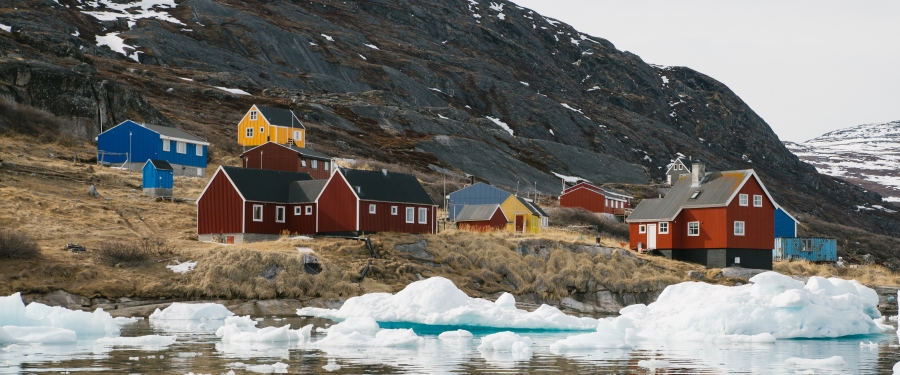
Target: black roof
x=309 y=153
x=531 y=206
x=161 y=165
x=262 y=185
x=306 y=191
x=280 y=117
x=386 y=186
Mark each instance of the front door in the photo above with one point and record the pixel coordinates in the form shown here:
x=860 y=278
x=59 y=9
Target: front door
x=520 y=223
x=651 y=236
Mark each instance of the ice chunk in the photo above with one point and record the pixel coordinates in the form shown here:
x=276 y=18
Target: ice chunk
x=141 y=341
x=394 y=338
x=505 y=342
x=836 y=361
x=46 y=335
x=333 y=366
x=14 y=313
x=364 y=332
x=121 y=320
x=192 y=311
x=459 y=334
x=12 y=310
x=653 y=364
x=896 y=368
x=437 y=301
x=276 y=368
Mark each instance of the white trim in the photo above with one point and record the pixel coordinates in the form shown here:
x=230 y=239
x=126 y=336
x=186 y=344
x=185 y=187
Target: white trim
x=283 y=214
x=372 y=208
x=308 y=210
x=394 y=210
x=198 y=150
x=678 y=161
x=659 y=227
x=285 y=146
x=741 y=186
x=419 y=221
x=743 y=200
x=642 y=228
x=298 y=210
x=167 y=145
x=413 y=215
x=760 y=200
x=743 y=228
x=181 y=147
x=178 y=139
x=254 y=115
x=269 y=123
x=261 y=212
x=689 y=229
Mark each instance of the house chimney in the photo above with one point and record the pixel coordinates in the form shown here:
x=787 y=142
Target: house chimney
x=698 y=170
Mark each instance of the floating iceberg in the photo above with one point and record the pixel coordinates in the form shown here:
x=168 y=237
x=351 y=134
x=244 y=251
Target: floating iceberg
x=364 y=332
x=436 y=301
x=459 y=334
x=39 y=323
x=233 y=333
x=332 y=365
x=144 y=342
x=192 y=311
x=505 y=348
x=836 y=361
x=45 y=335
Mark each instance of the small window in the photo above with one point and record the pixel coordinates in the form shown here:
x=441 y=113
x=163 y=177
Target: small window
x=298 y=210
x=279 y=214
x=253 y=115
x=298 y=136
x=423 y=216
x=199 y=150
x=545 y=222
x=642 y=229
x=181 y=147
x=327 y=163
x=738 y=228
x=743 y=199
x=693 y=228
x=302 y=162
x=249 y=132
x=410 y=215
x=695 y=194
x=371 y=208
x=663 y=228
x=757 y=200
x=393 y=210
x=257 y=212
x=314 y=164
x=309 y=210
x=262 y=130
x=166 y=145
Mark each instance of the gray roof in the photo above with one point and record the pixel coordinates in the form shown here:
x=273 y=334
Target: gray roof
x=477 y=212
x=309 y=153
x=531 y=206
x=161 y=165
x=173 y=132
x=306 y=191
x=716 y=189
x=263 y=185
x=280 y=117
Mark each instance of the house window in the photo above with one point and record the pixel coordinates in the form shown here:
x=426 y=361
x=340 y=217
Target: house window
x=663 y=228
x=253 y=115
x=545 y=222
x=757 y=200
x=257 y=212
x=298 y=136
x=738 y=228
x=393 y=210
x=423 y=216
x=249 y=132
x=302 y=163
x=642 y=229
x=694 y=228
x=327 y=163
x=410 y=215
x=199 y=150
x=298 y=210
x=279 y=214
x=696 y=194
x=262 y=130
x=309 y=210
x=314 y=164
x=743 y=199
x=166 y=145
x=371 y=208
x=181 y=147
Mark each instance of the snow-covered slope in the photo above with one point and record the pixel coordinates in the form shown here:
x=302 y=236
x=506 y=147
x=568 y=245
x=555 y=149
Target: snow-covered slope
x=868 y=155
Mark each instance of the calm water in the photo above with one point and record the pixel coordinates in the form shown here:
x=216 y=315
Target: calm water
x=198 y=350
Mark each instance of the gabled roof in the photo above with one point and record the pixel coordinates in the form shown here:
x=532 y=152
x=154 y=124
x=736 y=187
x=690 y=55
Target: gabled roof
x=302 y=151
x=306 y=191
x=262 y=185
x=715 y=190
x=280 y=117
x=166 y=132
x=478 y=212
x=386 y=186
x=161 y=165
x=531 y=206
x=605 y=191
x=687 y=166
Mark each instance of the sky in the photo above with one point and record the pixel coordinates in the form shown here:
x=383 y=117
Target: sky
x=806 y=67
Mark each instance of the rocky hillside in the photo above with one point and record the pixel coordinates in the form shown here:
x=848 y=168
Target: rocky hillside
x=484 y=88
x=867 y=155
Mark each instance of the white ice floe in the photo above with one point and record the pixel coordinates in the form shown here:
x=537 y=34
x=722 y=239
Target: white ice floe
x=836 y=361
x=437 y=301
x=182 y=267
x=275 y=368
x=653 y=364
x=500 y=124
x=243 y=330
x=121 y=320
x=505 y=347
x=896 y=368
x=459 y=334
x=233 y=91
x=332 y=365
x=41 y=323
x=192 y=311
x=144 y=342
x=364 y=332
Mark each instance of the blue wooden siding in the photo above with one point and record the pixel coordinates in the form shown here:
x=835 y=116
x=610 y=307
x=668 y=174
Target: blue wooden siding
x=811 y=249
x=145 y=144
x=156 y=179
x=784 y=225
x=478 y=193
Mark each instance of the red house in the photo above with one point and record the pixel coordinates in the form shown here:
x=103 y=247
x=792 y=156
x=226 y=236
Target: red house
x=279 y=157
x=375 y=201
x=482 y=218
x=595 y=199
x=718 y=219
x=245 y=205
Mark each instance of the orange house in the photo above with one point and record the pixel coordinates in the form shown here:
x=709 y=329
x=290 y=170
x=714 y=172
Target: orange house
x=264 y=124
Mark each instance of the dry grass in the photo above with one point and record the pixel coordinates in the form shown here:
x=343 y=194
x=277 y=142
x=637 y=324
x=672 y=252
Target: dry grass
x=15 y=245
x=873 y=275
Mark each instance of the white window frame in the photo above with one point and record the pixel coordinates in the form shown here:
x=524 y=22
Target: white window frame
x=298 y=135
x=742 y=200
x=257 y=215
x=249 y=133
x=302 y=162
x=280 y=212
x=309 y=210
x=254 y=115
x=410 y=215
x=642 y=228
x=757 y=200
x=262 y=130
x=166 y=145
x=423 y=216
x=298 y=210
x=545 y=222
x=394 y=210
x=739 y=228
x=181 y=147
x=693 y=229
x=326 y=164
x=663 y=228
x=198 y=149
x=372 y=208
x=314 y=164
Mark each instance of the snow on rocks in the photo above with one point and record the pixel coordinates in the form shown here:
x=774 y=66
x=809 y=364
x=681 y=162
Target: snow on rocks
x=437 y=301
x=836 y=361
x=233 y=91
x=192 y=311
x=5 y=28
x=501 y=124
x=182 y=267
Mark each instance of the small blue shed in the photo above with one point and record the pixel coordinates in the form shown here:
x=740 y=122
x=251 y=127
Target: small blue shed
x=130 y=145
x=785 y=224
x=812 y=249
x=157 y=178
x=478 y=193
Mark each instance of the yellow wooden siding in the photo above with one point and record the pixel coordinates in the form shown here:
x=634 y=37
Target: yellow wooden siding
x=512 y=207
x=273 y=133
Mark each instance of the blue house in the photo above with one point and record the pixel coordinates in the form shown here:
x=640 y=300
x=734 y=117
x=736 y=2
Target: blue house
x=130 y=145
x=785 y=224
x=478 y=193
x=157 y=178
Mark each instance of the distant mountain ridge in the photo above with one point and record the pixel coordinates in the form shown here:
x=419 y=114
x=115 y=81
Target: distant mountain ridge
x=867 y=155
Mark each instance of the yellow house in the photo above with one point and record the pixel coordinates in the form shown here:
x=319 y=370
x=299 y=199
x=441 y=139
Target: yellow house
x=524 y=215
x=266 y=124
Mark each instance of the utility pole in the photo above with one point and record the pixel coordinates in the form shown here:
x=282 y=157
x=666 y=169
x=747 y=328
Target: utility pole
x=129 y=152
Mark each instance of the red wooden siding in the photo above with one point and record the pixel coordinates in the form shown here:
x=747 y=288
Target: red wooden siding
x=302 y=223
x=268 y=224
x=497 y=222
x=219 y=209
x=318 y=173
x=338 y=206
x=585 y=198
x=383 y=221
x=280 y=158
x=759 y=222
